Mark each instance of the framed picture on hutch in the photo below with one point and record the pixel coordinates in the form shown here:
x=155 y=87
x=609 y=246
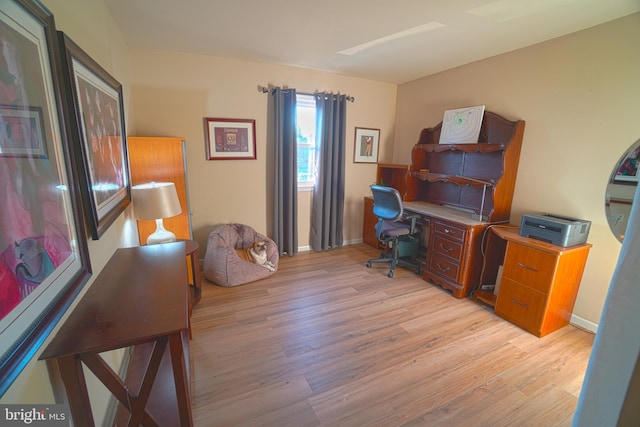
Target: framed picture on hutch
x=44 y=259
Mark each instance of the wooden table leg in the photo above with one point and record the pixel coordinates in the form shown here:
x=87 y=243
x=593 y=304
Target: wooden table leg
x=76 y=387
x=181 y=378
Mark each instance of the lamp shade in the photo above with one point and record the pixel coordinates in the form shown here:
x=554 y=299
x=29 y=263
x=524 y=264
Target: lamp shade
x=155 y=200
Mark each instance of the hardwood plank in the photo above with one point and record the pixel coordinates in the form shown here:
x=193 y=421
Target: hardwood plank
x=326 y=341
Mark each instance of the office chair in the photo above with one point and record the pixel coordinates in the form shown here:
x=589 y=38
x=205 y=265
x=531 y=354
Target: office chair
x=387 y=206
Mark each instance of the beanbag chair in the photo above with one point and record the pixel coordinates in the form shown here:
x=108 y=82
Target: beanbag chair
x=224 y=267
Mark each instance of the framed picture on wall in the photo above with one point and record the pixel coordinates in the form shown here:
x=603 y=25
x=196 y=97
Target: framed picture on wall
x=98 y=131
x=365 y=149
x=44 y=260
x=230 y=139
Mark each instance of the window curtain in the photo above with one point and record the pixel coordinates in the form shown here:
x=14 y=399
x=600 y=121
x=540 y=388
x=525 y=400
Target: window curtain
x=285 y=197
x=327 y=213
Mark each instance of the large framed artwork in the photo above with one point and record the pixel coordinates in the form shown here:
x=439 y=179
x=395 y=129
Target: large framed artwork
x=230 y=139
x=44 y=260
x=97 y=129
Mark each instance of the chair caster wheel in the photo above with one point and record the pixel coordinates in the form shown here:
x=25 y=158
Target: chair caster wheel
x=368 y=264
x=390 y=274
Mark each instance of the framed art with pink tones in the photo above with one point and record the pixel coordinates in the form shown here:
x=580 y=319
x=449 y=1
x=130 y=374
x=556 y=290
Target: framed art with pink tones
x=44 y=260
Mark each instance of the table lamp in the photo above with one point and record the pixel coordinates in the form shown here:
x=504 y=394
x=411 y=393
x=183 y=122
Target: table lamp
x=156 y=200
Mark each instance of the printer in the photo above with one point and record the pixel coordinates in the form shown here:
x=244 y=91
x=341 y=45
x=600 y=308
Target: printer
x=555 y=229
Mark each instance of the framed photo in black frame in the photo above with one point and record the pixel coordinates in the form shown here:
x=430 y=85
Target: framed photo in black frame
x=44 y=260
x=98 y=130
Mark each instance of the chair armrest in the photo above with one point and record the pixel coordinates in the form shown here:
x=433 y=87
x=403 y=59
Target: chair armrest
x=413 y=218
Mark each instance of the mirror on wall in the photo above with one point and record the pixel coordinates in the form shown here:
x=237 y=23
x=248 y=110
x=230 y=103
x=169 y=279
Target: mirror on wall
x=621 y=190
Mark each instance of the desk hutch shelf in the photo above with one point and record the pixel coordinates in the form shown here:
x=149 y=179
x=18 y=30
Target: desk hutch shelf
x=477 y=177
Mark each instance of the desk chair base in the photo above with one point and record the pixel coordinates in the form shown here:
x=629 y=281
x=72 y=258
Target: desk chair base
x=394 y=260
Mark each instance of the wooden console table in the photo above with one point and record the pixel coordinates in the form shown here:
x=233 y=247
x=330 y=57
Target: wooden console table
x=140 y=298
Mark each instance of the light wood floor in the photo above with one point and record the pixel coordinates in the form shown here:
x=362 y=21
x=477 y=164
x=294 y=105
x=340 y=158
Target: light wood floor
x=328 y=342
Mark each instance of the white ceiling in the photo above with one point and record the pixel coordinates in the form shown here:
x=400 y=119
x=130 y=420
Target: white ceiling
x=391 y=41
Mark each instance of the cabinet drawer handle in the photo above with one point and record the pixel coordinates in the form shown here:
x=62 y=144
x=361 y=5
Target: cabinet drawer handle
x=521 y=304
x=527 y=267
x=444 y=248
x=443 y=268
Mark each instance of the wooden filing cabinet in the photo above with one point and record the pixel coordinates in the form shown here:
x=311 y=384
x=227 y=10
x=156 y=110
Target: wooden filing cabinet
x=540 y=282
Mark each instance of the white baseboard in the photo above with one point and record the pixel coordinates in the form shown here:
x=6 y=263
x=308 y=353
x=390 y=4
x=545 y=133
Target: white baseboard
x=354 y=241
x=345 y=243
x=584 y=324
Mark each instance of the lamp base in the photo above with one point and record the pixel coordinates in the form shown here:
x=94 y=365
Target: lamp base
x=161 y=235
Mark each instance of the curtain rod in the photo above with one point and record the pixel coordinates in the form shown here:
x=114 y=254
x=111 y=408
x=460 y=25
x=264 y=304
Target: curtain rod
x=265 y=89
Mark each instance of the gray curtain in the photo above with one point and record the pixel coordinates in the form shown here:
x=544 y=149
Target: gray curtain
x=327 y=211
x=612 y=376
x=285 y=197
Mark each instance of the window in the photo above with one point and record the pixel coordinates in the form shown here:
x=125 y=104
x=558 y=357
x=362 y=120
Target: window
x=306 y=118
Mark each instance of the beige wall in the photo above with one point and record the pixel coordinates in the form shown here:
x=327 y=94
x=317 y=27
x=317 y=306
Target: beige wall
x=579 y=97
x=89 y=24
x=172 y=94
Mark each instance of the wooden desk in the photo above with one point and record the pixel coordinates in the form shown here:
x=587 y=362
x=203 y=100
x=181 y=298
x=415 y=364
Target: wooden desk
x=140 y=297
x=450 y=244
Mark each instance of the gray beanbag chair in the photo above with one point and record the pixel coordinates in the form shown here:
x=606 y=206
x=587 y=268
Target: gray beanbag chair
x=223 y=266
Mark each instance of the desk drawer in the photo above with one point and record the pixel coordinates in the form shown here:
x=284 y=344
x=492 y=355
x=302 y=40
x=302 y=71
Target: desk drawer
x=444 y=268
x=452 y=232
x=529 y=266
x=447 y=247
x=521 y=305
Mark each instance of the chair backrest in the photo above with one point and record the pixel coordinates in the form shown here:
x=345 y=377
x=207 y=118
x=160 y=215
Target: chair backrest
x=387 y=203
